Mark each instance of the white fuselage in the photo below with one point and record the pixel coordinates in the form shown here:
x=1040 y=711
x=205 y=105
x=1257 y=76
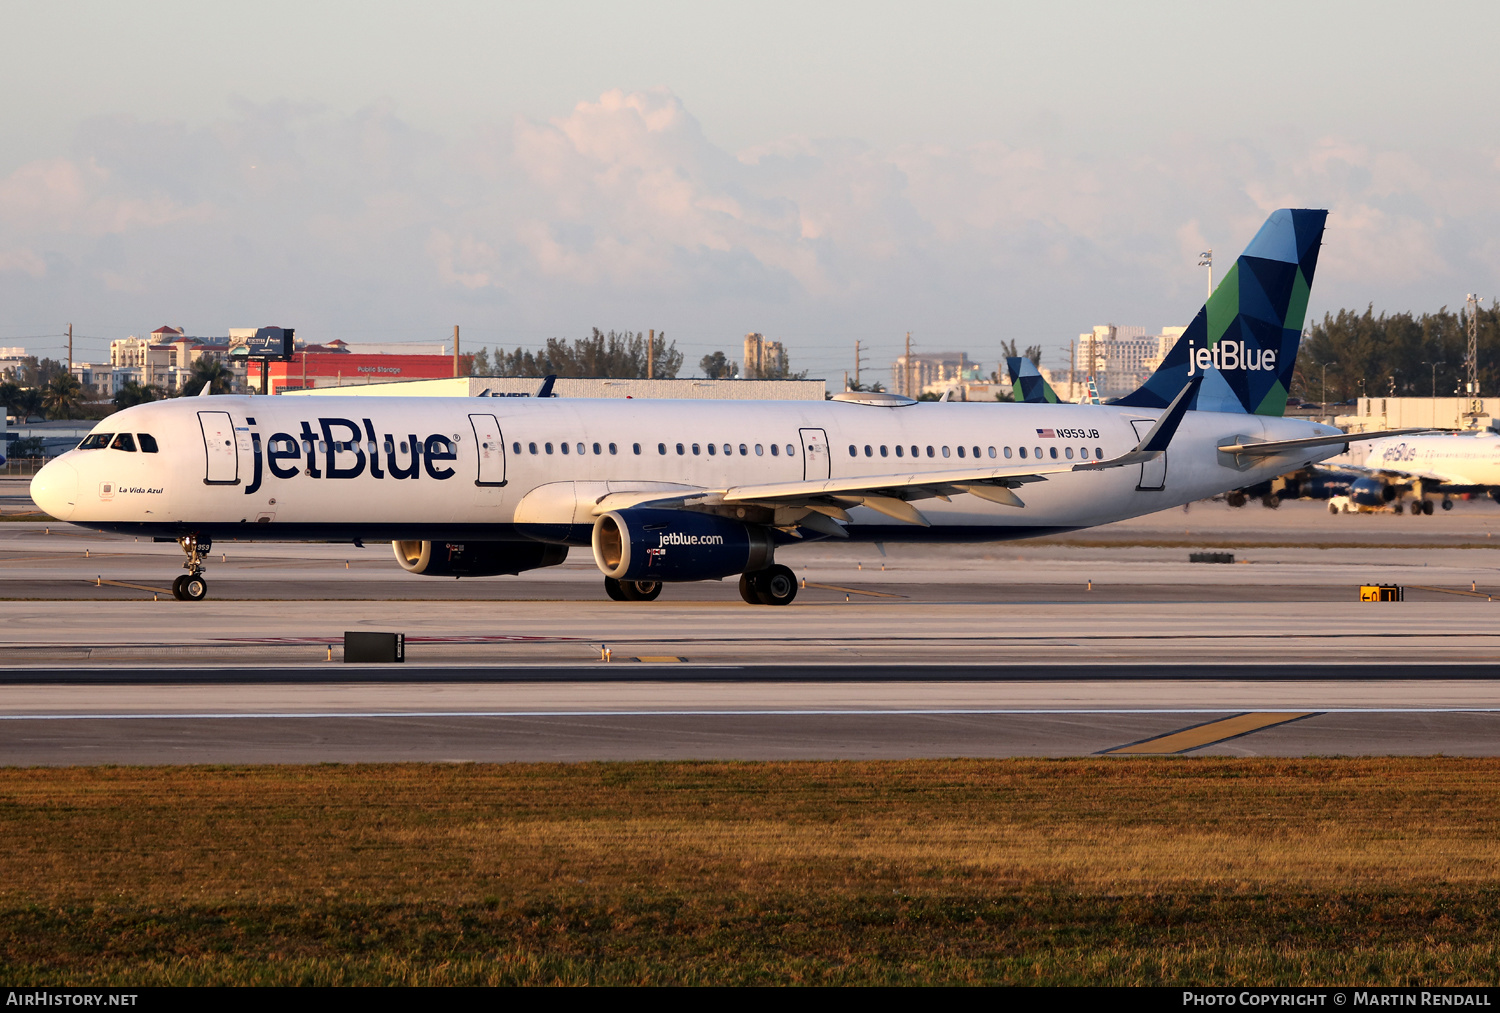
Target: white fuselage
x=506 y=468
x=1464 y=459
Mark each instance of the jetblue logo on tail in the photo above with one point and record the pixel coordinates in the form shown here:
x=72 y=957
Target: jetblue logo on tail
x=1227 y=355
x=1243 y=342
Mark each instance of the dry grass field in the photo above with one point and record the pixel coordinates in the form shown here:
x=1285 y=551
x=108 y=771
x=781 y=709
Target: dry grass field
x=1080 y=871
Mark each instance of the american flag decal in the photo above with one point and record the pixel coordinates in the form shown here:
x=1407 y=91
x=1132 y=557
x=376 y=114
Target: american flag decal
x=1047 y=434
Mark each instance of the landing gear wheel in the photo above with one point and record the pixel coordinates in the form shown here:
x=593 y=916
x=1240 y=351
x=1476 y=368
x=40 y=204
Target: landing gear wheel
x=194 y=587
x=177 y=591
x=1427 y=507
x=776 y=586
x=1447 y=504
x=1399 y=508
x=1235 y=499
x=641 y=590
x=747 y=590
x=614 y=590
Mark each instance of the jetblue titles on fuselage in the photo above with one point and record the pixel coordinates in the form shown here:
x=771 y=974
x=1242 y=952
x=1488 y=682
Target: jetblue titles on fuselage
x=347 y=449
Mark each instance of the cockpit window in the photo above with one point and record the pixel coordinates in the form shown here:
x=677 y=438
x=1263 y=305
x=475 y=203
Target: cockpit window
x=148 y=443
x=96 y=441
x=124 y=442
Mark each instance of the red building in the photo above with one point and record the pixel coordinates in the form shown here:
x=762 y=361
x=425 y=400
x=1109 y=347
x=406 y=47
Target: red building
x=317 y=368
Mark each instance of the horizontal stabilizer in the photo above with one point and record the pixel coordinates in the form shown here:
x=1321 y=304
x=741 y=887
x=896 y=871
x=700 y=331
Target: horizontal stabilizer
x=1271 y=448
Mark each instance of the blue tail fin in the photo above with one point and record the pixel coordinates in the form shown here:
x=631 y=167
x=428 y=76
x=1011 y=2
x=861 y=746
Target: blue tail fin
x=1027 y=383
x=1244 y=340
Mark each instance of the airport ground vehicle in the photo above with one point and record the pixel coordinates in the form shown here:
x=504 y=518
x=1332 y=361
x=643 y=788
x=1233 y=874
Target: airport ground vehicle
x=665 y=491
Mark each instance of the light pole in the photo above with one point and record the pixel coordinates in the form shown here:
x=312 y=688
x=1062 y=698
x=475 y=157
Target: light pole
x=1206 y=259
x=1434 y=366
x=1325 y=384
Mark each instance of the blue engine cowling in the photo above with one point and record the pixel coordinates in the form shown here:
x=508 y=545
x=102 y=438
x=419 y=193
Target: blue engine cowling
x=677 y=545
x=1371 y=492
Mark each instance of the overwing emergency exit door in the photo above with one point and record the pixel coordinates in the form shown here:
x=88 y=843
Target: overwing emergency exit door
x=815 y=458
x=491 y=447
x=1153 y=473
x=218 y=443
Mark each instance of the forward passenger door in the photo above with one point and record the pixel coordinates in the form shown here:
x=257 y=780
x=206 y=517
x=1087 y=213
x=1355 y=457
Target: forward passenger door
x=489 y=443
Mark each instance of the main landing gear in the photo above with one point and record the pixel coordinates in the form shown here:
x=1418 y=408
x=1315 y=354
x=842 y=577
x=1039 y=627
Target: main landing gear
x=776 y=585
x=632 y=590
x=1423 y=507
x=192 y=586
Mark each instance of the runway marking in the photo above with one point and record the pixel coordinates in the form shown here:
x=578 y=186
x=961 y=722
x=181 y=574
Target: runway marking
x=853 y=590
x=660 y=659
x=101 y=582
x=1279 y=717
x=1198 y=736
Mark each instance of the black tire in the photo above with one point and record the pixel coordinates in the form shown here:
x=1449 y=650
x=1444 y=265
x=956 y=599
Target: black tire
x=177 y=591
x=614 y=590
x=747 y=590
x=641 y=590
x=1427 y=507
x=194 y=587
x=1400 y=508
x=1235 y=499
x=1447 y=504
x=776 y=586
x=1270 y=501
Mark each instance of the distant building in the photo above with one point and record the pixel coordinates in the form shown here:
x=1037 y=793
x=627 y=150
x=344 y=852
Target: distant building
x=1120 y=358
x=763 y=359
x=688 y=388
x=933 y=373
x=317 y=367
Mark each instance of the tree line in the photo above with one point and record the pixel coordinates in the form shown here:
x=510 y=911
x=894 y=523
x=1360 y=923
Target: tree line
x=616 y=355
x=1395 y=354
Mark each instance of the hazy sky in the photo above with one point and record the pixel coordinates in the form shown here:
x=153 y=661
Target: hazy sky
x=820 y=172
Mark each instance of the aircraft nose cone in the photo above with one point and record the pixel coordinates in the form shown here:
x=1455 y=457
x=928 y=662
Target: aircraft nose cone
x=55 y=489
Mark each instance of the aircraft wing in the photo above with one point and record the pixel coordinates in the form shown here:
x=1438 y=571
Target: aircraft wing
x=1272 y=447
x=818 y=502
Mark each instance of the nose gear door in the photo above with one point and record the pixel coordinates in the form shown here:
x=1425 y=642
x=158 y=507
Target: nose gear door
x=218 y=443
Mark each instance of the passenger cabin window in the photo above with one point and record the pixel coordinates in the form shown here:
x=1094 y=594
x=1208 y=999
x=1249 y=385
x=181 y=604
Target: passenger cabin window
x=1083 y=452
x=712 y=449
x=992 y=451
x=612 y=449
x=661 y=448
x=775 y=450
x=930 y=452
x=853 y=450
x=883 y=451
x=868 y=451
x=1007 y=453
x=637 y=448
x=547 y=447
x=945 y=451
x=1054 y=452
x=680 y=450
x=581 y=450
x=96 y=441
x=757 y=450
x=148 y=443
x=529 y=446
x=695 y=450
x=124 y=442
x=1023 y=453
x=960 y=451
x=1068 y=453
x=743 y=451
x=899 y=450
x=563 y=447
x=791 y=451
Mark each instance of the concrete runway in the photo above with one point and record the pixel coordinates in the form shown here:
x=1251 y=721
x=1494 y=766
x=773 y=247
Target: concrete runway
x=742 y=714
x=989 y=650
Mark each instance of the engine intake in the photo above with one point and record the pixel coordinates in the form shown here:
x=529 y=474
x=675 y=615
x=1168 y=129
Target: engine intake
x=476 y=559
x=677 y=545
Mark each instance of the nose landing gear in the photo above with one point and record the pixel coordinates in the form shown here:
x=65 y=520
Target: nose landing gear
x=192 y=586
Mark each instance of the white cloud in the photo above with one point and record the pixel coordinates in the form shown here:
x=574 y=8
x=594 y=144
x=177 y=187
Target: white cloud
x=622 y=212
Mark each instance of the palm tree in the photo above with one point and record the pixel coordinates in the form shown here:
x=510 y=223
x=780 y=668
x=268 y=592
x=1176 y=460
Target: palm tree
x=209 y=371
x=63 y=396
x=134 y=393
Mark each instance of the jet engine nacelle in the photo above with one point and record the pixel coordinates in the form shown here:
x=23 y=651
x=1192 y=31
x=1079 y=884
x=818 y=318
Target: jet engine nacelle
x=475 y=559
x=677 y=545
x=1371 y=492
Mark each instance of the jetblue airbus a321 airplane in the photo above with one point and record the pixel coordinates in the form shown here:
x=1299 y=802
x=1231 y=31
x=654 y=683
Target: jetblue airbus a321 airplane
x=669 y=491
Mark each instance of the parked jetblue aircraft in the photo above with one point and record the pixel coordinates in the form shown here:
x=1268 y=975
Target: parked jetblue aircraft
x=1447 y=464
x=699 y=490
